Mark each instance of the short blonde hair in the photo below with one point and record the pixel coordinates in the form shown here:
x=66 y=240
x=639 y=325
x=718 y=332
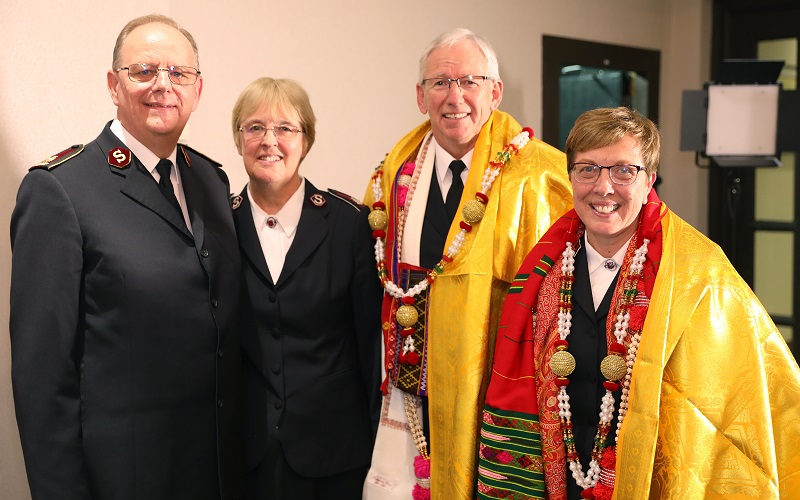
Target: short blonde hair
x=148 y=19
x=603 y=127
x=280 y=96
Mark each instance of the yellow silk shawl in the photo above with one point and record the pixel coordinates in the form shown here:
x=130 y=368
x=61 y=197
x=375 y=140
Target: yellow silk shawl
x=715 y=393
x=531 y=192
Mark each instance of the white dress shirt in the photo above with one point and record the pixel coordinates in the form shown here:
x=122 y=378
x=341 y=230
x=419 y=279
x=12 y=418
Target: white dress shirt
x=276 y=231
x=601 y=272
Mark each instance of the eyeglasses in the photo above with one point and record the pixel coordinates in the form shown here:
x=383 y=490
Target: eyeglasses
x=622 y=175
x=467 y=83
x=145 y=73
x=257 y=131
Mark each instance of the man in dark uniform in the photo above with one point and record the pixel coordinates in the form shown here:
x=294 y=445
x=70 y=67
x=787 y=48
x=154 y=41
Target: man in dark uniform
x=124 y=288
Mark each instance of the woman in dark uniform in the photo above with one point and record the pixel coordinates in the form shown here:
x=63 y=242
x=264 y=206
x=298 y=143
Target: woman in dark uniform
x=311 y=339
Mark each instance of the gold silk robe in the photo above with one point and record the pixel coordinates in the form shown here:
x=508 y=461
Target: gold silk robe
x=530 y=193
x=715 y=393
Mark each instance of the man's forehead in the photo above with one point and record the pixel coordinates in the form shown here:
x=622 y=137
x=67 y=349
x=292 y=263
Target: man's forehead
x=462 y=55
x=151 y=42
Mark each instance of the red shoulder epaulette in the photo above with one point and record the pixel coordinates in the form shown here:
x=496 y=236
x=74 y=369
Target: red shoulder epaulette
x=184 y=148
x=356 y=203
x=57 y=159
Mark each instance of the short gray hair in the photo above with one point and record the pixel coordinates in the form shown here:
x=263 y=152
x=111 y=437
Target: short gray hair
x=455 y=36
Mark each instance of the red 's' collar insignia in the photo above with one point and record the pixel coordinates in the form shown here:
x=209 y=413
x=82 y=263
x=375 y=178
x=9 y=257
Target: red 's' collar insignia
x=119 y=157
x=318 y=200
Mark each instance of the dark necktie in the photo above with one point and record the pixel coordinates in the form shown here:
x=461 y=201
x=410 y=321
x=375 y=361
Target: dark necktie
x=456 y=188
x=165 y=184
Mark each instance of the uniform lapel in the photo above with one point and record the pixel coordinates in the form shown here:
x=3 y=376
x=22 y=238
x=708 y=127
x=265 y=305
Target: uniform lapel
x=311 y=232
x=195 y=196
x=139 y=184
x=248 y=237
x=582 y=288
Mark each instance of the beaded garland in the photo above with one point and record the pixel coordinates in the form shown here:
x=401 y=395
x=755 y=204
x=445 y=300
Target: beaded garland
x=613 y=367
x=472 y=213
x=406 y=315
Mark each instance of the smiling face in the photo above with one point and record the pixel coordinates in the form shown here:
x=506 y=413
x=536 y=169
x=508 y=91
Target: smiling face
x=457 y=117
x=610 y=211
x=271 y=164
x=155 y=112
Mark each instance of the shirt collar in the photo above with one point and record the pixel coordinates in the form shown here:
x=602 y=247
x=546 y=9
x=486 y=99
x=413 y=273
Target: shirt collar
x=595 y=260
x=443 y=160
x=148 y=158
x=288 y=216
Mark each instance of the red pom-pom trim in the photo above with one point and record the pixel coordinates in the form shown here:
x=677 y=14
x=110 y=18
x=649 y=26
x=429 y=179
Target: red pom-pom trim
x=403 y=358
x=611 y=386
x=558 y=343
x=408 y=300
x=422 y=467
x=413 y=358
x=602 y=492
x=379 y=205
x=420 y=493
x=562 y=381
x=588 y=493
x=378 y=233
x=405 y=332
x=466 y=227
x=482 y=197
x=529 y=131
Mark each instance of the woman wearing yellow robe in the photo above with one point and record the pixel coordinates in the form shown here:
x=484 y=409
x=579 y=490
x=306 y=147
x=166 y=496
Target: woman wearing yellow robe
x=624 y=305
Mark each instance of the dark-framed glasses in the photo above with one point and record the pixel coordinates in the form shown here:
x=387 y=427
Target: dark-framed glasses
x=146 y=73
x=588 y=173
x=257 y=131
x=467 y=83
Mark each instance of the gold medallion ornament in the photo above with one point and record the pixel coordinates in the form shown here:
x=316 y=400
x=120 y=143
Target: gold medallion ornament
x=378 y=220
x=473 y=211
x=406 y=315
x=562 y=363
x=613 y=367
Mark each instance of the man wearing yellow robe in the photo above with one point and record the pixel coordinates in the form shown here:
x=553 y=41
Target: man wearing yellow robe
x=441 y=357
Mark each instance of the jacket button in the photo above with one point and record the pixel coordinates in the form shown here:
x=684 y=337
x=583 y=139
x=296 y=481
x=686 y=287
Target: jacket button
x=220 y=353
x=278 y=404
x=214 y=303
x=204 y=253
x=276 y=333
x=276 y=368
x=272 y=297
x=220 y=403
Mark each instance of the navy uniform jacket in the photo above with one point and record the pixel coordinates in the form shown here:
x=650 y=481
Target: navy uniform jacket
x=124 y=334
x=311 y=341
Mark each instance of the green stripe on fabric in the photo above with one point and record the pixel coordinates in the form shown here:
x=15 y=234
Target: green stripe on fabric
x=522 y=436
x=517 y=480
x=516 y=415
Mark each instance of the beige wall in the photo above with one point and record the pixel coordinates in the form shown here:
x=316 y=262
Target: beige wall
x=357 y=59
